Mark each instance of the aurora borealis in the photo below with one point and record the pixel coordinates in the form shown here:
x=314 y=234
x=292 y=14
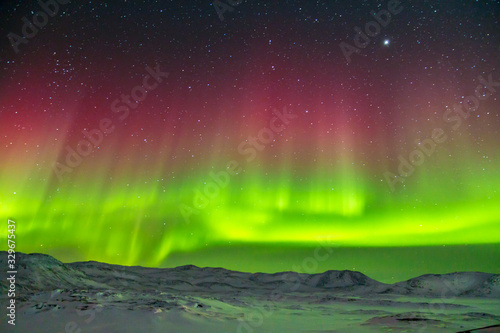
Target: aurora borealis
x=283 y=185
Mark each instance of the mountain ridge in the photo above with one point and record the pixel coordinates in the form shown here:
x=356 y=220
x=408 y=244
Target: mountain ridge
x=37 y=271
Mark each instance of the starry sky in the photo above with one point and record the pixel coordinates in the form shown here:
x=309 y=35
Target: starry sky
x=165 y=133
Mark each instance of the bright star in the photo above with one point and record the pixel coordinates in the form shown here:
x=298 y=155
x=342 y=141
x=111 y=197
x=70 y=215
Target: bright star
x=387 y=42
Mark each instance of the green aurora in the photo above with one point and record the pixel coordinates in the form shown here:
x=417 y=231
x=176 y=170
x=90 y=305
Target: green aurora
x=142 y=224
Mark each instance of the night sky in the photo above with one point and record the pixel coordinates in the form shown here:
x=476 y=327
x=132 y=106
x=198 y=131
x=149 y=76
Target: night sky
x=156 y=133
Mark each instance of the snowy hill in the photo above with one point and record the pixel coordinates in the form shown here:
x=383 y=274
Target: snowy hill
x=472 y=284
x=37 y=272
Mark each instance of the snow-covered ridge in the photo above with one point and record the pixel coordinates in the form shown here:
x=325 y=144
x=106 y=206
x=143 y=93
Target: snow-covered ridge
x=38 y=272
